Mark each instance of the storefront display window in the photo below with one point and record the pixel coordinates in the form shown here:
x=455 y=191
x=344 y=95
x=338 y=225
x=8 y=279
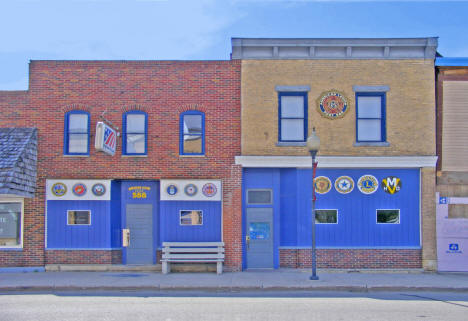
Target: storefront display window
x=10 y=224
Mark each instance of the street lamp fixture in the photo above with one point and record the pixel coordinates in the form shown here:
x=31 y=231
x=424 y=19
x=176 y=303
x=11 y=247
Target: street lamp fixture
x=313 y=145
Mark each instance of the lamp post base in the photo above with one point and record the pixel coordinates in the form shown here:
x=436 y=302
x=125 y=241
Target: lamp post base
x=313 y=277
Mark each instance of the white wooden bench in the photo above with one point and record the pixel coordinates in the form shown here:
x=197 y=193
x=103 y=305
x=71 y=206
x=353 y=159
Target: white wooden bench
x=192 y=252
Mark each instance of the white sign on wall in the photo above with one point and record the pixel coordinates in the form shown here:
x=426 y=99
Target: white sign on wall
x=191 y=190
x=78 y=189
x=106 y=138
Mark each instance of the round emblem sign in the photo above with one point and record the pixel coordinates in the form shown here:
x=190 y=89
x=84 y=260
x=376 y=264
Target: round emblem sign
x=98 y=189
x=322 y=184
x=59 y=189
x=172 y=190
x=190 y=189
x=391 y=184
x=79 y=189
x=332 y=104
x=209 y=190
x=368 y=184
x=344 y=184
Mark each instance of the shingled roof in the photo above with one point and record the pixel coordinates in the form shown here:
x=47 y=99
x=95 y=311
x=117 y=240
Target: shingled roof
x=18 y=158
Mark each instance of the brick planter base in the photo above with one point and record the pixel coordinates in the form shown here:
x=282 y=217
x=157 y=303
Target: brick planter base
x=353 y=258
x=83 y=257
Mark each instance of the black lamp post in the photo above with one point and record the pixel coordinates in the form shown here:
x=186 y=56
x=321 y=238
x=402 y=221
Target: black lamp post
x=313 y=145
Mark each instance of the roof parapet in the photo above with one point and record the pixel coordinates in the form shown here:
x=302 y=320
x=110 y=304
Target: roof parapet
x=334 y=48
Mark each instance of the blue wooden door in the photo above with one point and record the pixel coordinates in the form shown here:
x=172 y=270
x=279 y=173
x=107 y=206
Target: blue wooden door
x=259 y=238
x=140 y=223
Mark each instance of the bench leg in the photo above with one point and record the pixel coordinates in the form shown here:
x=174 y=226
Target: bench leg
x=166 y=268
x=219 y=267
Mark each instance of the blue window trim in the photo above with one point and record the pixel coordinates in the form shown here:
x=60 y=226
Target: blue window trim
x=383 y=130
x=297 y=93
x=124 y=131
x=181 y=132
x=66 y=137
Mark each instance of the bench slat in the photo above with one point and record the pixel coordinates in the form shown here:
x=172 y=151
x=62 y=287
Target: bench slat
x=193 y=250
x=178 y=260
x=193 y=256
x=192 y=244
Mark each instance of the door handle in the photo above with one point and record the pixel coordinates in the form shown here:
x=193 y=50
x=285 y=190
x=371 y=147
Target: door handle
x=247 y=241
x=126 y=237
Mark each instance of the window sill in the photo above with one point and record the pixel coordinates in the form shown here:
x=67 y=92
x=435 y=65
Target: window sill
x=10 y=248
x=296 y=144
x=375 y=144
x=188 y=156
x=71 y=155
x=126 y=156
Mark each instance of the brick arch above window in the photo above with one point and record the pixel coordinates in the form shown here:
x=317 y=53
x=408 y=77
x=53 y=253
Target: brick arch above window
x=195 y=107
x=135 y=107
x=76 y=107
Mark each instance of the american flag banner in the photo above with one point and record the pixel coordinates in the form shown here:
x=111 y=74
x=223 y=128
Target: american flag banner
x=106 y=138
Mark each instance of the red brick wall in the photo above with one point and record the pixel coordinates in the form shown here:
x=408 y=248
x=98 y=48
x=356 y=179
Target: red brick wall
x=163 y=89
x=352 y=258
x=83 y=257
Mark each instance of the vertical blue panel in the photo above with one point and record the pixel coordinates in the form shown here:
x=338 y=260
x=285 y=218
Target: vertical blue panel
x=115 y=215
x=61 y=235
x=172 y=231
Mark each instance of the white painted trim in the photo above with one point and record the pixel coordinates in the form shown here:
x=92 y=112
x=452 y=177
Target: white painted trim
x=337 y=161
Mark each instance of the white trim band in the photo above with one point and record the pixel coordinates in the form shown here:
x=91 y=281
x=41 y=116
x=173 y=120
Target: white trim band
x=338 y=161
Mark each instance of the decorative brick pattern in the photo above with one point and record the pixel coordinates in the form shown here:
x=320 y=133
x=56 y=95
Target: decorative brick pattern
x=353 y=258
x=83 y=257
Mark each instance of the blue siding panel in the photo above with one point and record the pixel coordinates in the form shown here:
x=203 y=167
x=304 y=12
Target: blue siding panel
x=172 y=231
x=116 y=224
x=357 y=225
x=61 y=235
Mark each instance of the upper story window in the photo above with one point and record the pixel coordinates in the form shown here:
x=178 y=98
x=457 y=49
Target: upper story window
x=292 y=116
x=135 y=132
x=370 y=117
x=76 y=133
x=192 y=133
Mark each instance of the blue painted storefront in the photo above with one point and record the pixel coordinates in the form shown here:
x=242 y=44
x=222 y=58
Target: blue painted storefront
x=108 y=218
x=357 y=225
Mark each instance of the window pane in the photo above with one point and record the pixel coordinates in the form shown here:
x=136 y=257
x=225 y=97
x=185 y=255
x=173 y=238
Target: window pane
x=135 y=144
x=77 y=143
x=292 y=106
x=79 y=217
x=78 y=123
x=10 y=224
x=192 y=124
x=191 y=218
x=259 y=197
x=259 y=231
x=326 y=216
x=369 y=107
x=369 y=130
x=135 y=123
x=292 y=129
x=192 y=144
x=388 y=216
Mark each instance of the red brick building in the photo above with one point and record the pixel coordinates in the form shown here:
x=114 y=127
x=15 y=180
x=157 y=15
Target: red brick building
x=179 y=131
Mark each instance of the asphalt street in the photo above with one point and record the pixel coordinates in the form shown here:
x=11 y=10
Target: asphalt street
x=255 y=305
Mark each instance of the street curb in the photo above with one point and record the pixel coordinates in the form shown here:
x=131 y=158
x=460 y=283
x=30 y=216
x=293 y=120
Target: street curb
x=233 y=289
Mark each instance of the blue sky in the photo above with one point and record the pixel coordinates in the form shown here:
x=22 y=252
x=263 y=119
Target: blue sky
x=202 y=29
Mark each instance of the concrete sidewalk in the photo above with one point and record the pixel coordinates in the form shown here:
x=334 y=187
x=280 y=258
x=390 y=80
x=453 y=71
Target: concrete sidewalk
x=282 y=279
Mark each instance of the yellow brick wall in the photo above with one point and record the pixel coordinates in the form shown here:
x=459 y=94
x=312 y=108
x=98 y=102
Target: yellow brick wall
x=410 y=104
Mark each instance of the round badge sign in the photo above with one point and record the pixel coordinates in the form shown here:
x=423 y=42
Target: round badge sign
x=59 y=189
x=344 y=184
x=172 y=190
x=322 y=184
x=368 y=184
x=332 y=104
x=209 y=190
x=79 y=189
x=190 y=189
x=98 y=189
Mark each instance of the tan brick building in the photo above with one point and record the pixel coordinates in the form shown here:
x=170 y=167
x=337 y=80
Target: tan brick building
x=372 y=103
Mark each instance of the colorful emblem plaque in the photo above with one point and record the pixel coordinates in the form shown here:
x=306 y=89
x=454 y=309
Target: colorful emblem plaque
x=172 y=190
x=79 y=189
x=332 y=104
x=190 y=190
x=368 y=184
x=322 y=184
x=59 y=189
x=98 y=189
x=391 y=184
x=344 y=184
x=209 y=190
